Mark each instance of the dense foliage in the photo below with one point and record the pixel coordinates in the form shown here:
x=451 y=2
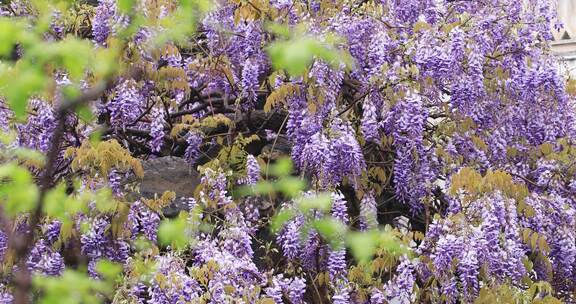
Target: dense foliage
x=349 y=151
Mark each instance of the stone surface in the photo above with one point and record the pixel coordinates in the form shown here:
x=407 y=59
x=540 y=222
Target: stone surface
x=169 y=174
x=274 y=150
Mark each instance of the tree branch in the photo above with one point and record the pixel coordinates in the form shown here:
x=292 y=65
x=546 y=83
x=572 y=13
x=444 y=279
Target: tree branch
x=22 y=244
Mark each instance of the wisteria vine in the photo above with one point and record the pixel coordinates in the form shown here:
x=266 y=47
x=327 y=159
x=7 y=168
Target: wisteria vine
x=442 y=129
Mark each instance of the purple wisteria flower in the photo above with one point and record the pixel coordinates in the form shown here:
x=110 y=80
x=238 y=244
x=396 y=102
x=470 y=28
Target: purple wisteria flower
x=157 y=130
x=3 y=244
x=44 y=123
x=370 y=122
x=52 y=232
x=411 y=170
x=127 y=104
x=44 y=260
x=252 y=171
x=289 y=238
x=368 y=212
x=143 y=220
x=182 y=288
x=194 y=141
x=97 y=243
x=103 y=20
x=250 y=83
x=337 y=257
x=115 y=182
x=5 y=296
x=399 y=290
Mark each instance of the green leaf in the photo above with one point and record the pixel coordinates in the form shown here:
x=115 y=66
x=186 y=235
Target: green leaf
x=70 y=288
x=31 y=155
x=279 y=219
x=85 y=113
x=263 y=187
x=362 y=244
x=107 y=59
x=7 y=138
x=108 y=270
x=75 y=55
x=331 y=229
x=389 y=242
x=290 y=186
x=142 y=243
x=282 y=167
x=321 y=201
x=278 y=29
x=95 y=137
x=19 y=193
x=17 y=90
x=172 y=232
x=54 y=202
x=10 y=30
x=296 y=54
x=293 y=56
x=125 y=6
x=104 y=201
x=58 y=204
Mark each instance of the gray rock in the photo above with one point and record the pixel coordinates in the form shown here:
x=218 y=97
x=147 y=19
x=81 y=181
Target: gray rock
x=169 y=174
x=281 y=147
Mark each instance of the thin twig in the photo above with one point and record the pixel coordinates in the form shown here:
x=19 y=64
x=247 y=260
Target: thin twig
x=22 y=244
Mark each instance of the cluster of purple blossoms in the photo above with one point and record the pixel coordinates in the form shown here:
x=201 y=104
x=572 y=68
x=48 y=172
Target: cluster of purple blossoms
x=115 y=182
x=194 y=141
x=368 y=212
x=336 y=263
x=290 y=288
x=157 y=130
x=142 y=220
x=250 y=82
x=289 y=238
x=303 y=245
x=97 y=243
x=341 y=295
x=332 y=155
x=180 y=289
x=104 y=20
x=329 y=80
x=252 y=171
x=406 y=123
x=400 y=288
x=346 y=158
x=127 y=104
x=294 y=243
x=42 y=126
x=45 y=260
x=57 y=25
x=555 y=220
x=457 y=241
x=5 y=296
x=3 y=244
x=51 y=231
x=370 y=121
